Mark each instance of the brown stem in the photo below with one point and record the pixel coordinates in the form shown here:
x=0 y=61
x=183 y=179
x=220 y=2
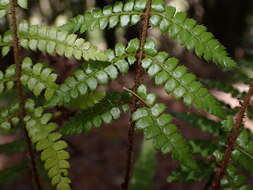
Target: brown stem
x=21 y=96
x=134 y=104
x=220 y=172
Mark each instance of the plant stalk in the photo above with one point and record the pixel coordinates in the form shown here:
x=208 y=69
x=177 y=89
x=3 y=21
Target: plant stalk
x=134 y=103
x=220 y=172
x=21 y=96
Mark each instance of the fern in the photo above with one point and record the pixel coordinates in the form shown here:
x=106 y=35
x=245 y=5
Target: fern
x=157 y=125
x=106 y=111
x=179 y=27
x=177 y=81
x=47 y=141
x=110 y=16
x=87 y=80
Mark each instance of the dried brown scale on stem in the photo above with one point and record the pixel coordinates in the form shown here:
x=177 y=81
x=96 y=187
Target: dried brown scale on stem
x=220 y=172
x=134 y=103
x=21 y=97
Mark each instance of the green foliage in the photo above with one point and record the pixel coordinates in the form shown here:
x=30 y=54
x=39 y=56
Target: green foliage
x=38 y=78
x=110 y=16
x=78 y=93
x=144 y=169
x=106 y=111
x=177 y=81
x=9 y=117
x=88 y=78
x=48 y=142
x=202 y=123
x=158 y=127
x=183 y=29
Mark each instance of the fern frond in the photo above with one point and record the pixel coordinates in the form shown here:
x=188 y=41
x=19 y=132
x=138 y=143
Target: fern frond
x=178 y=82
x=13 y=147
x=158 y=126
x=110 y=16
x=54 y=41
x=106 y=111
x=35 y=77
x=87 y=79
x=188 y=33
x=38 y=78
x=200 y=122
x=144 y=169
x=50 y=145
x=9 y=117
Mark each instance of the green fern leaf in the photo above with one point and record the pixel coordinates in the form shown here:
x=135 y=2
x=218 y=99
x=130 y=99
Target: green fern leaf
x=38 y=78
x=106 y=111
x=48 y=142
x=87 y=79
x=158 y=127
x=178 y=82
x=188 y=33
x=144 y=169
x=122 y=14
x=54 y=41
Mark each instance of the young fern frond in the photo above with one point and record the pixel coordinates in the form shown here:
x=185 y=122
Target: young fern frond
x=144 y=169
x=106 y=111
x=178 y=82
x=158 y=126
x=48 y=142
x=87 y=80
x=9 y=117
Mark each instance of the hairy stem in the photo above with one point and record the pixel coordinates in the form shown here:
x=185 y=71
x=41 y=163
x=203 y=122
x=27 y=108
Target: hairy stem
x=220 y=172
x=134 y=103
x=21 y=97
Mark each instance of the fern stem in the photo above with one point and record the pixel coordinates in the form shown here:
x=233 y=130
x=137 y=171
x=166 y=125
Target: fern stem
x=220 y=172
x=21 y=97
x=134 y=104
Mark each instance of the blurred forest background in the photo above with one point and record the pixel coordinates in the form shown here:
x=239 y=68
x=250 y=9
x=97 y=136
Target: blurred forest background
x=98 y=157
